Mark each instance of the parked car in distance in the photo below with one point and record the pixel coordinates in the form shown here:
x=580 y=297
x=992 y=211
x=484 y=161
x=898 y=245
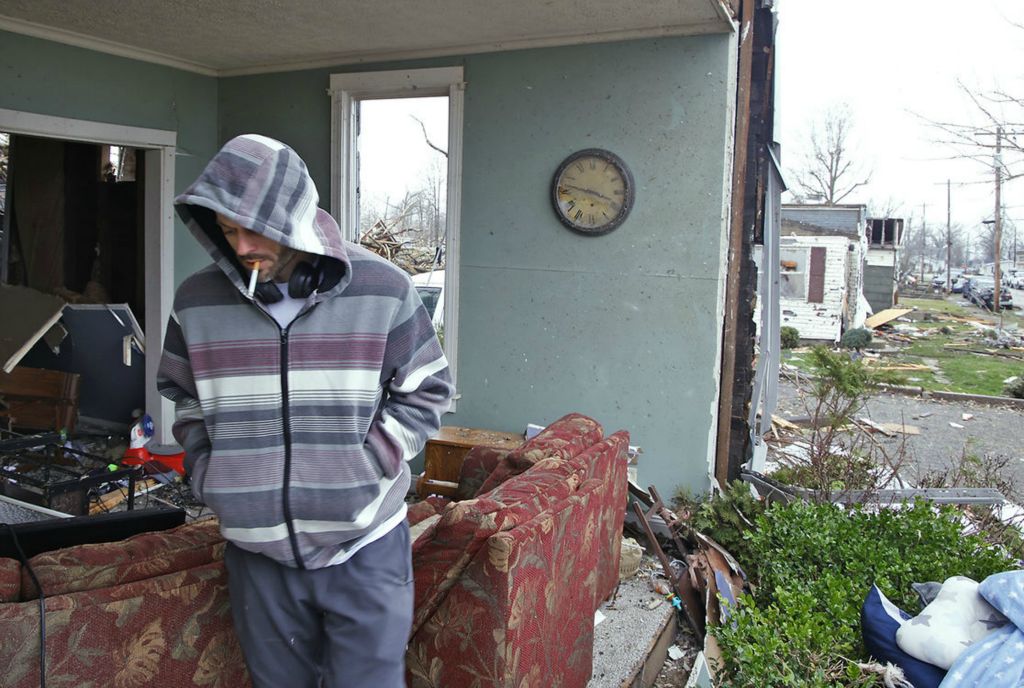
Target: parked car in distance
x=957 y=287
x=983 y=293
x=430 y=287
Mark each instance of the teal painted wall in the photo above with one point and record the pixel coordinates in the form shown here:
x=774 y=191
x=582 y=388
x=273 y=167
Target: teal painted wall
x=53 y=79
x=623 y=327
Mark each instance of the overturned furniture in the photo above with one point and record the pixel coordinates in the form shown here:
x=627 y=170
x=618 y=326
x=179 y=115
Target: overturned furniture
x=509 y=575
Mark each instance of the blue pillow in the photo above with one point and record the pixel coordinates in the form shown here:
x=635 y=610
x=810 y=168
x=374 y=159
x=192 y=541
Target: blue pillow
x=879 y=620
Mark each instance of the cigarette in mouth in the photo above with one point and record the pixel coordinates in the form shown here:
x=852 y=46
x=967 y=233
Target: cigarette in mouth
x=252 y=278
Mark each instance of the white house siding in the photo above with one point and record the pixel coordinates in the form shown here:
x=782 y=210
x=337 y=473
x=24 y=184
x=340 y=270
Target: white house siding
x=820 y=321
x=881 y=256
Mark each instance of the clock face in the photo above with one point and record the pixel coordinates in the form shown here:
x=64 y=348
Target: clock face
x=592 y=191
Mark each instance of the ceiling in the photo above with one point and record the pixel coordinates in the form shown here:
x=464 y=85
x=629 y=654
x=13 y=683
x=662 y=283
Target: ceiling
x=228 y=37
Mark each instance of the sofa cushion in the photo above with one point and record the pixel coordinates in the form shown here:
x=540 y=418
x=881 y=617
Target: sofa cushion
x=563 y=439
x=10 y=580
x=477 y=466
x=146 y=555
x=424 y=509
x=441 y=553
x=422 y=526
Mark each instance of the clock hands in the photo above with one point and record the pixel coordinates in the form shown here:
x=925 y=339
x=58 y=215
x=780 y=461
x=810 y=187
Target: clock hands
x=588 y=191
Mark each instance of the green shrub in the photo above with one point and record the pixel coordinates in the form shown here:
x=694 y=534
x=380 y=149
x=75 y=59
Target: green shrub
x=727 y=516
x=816 y=564
x=856 y=339
x=1015 y=389
x=789 y=337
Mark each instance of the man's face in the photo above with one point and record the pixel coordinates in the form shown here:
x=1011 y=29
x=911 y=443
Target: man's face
x=275 y=259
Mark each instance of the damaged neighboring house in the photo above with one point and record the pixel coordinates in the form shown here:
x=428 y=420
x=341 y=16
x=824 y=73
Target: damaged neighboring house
x=821 y=269
x=881 y=270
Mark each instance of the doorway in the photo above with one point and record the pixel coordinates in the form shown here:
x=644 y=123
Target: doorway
x=136 y=259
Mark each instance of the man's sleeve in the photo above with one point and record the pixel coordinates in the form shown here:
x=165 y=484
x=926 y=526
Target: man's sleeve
x=417 y=392
x=175 y=381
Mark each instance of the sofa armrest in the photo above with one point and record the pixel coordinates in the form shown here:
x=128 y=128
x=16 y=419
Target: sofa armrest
x=522 y=611
x=563 y=439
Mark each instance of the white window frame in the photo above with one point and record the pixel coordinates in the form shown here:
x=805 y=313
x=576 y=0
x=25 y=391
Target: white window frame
x=802 y=271
x=345 y=91
x=158 y=214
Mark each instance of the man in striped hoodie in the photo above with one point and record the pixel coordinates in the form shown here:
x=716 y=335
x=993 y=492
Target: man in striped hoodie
x=305 y=373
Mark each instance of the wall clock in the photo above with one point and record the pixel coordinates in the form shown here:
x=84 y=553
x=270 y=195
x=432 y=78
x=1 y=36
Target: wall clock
x=592 y=191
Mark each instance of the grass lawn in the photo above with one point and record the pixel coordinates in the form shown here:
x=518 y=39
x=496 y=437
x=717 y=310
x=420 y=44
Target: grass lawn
x=958 y=370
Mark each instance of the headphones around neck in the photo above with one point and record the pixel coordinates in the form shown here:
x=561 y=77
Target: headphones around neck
x=306 y=278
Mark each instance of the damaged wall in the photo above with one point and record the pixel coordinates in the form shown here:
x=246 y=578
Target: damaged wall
x=623 y=327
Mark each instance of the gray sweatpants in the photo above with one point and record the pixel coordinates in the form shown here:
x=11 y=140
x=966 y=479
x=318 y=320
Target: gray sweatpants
x=344 y=626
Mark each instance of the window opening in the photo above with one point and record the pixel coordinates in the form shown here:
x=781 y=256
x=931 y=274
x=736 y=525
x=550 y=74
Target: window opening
x=793 y=273
x=402 y=146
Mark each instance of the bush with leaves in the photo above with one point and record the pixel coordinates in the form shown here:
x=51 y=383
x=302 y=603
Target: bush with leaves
x=1015 y=389
x=726 y=517
x=816 y=563
x=855 y=339
x=789 y=337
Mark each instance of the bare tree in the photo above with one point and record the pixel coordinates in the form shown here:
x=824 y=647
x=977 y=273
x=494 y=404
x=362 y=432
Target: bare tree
x=887 y=207
x=1000 y=114
x=829 y=171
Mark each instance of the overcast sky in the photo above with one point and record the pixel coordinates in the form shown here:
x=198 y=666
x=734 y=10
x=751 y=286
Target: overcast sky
x=394 y=157
x=894 y=62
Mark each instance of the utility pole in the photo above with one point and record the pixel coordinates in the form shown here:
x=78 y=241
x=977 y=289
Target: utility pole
x=949 y=235
x=924 y=240
x=999 y=223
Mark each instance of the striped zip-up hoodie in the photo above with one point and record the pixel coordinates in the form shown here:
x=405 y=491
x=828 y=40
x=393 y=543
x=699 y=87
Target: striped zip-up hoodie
x=297 y=438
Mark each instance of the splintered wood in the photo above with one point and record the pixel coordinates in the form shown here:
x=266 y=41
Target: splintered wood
x=386 y=241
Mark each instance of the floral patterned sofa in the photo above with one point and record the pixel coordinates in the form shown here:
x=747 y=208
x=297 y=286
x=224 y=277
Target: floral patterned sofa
x=507 y=582
x=508 y=579
x=150 y=610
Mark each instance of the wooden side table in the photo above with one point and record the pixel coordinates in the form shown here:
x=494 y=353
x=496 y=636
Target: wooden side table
x=444 y=454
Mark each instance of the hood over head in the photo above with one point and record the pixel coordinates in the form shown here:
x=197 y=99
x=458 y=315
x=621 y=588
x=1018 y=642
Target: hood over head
x=264 y=186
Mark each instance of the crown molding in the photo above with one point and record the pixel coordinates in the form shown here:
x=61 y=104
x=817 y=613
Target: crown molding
x=100 y=45
x=361 y=58
x=350 y=59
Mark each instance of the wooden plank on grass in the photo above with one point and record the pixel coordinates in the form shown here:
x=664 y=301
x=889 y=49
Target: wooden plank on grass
x=885 y=316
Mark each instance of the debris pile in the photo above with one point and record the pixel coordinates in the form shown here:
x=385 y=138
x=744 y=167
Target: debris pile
x=697 y=576
x=392 y=245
